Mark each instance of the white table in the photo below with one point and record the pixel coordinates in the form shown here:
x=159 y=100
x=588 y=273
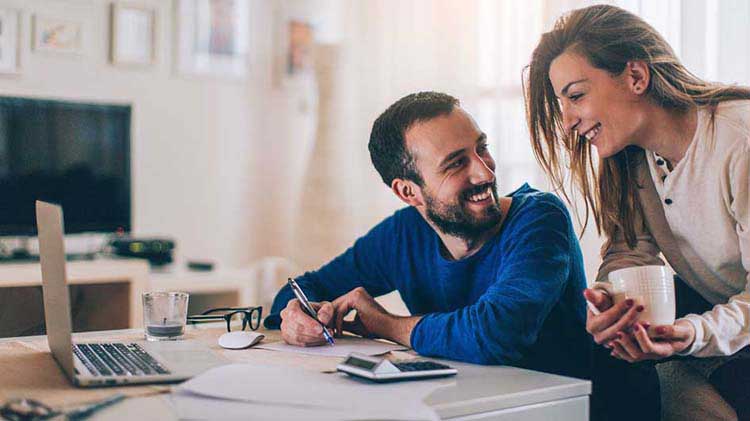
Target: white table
x=479 y=392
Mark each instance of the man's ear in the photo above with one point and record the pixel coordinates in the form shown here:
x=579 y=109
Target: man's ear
x=638 y=76
x=408 y=191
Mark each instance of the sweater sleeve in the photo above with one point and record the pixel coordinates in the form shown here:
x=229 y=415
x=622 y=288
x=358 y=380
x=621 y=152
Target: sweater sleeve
x=617 y=254
x=363 y=264
x=506 y=320
x=726 y=328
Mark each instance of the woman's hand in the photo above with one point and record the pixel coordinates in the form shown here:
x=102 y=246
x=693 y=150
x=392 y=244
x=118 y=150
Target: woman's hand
x=611 y=319
x=667 y=341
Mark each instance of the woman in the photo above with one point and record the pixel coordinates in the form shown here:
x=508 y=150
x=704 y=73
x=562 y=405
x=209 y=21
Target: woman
x=672 y=178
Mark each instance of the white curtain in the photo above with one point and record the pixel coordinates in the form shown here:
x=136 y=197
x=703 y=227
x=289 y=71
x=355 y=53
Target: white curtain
x=376 y=51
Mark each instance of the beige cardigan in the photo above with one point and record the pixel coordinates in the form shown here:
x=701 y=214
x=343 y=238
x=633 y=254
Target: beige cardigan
x=721 y=331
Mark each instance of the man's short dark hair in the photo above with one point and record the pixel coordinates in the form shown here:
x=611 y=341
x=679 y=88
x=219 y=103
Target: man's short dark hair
x=387 y=145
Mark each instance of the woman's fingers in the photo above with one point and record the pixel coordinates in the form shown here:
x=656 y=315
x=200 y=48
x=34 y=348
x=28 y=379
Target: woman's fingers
x=619 y=352
x=674 y=332
x=630 y=346
x=652 y=349
x=624 y=314
x=598 y=299
x=639 y=346
x=598 y=323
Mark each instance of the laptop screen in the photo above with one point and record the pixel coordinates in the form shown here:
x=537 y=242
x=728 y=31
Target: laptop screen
x=49 y=221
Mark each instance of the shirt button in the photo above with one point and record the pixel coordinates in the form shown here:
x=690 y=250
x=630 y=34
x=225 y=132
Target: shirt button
x=668 y=201
x=659 y=162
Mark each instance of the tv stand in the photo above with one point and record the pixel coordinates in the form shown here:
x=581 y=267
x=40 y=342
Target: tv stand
x=21 y=254
x=33 y=258
x=113 y=287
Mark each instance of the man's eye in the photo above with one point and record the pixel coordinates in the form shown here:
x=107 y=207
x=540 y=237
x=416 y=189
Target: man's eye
x=482 y=148
x=455 y=164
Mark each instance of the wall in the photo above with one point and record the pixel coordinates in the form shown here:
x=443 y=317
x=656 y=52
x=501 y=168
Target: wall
x=192 y=138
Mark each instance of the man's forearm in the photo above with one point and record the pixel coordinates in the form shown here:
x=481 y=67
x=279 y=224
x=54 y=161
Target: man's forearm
x=398 y=328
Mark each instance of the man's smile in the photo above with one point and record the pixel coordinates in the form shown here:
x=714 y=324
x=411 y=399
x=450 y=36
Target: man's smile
x=482 y=196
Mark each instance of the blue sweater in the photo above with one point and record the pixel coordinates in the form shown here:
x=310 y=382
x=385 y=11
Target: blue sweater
x=517 y=301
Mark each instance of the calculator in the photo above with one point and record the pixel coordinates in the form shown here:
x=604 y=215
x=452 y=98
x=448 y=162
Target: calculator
x=382 y=370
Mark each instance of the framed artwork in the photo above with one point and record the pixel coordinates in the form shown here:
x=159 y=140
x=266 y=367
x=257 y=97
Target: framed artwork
x=133 y=40
x=212 y=37
x=9 y=24
x=294 y=37
x=57 y=35
x=299 y=47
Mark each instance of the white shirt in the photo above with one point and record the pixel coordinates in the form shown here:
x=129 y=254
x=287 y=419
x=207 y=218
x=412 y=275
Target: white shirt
x=707 y=205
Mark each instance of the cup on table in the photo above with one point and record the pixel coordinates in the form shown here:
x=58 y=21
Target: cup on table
x=164 y=315
x=649 y=286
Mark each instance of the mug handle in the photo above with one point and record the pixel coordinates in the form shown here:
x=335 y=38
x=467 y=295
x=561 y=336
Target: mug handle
x=604 y=287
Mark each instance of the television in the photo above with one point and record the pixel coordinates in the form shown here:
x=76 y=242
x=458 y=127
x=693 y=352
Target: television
x=71 y=153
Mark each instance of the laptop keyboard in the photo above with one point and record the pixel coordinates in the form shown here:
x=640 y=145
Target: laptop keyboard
x=117 y=359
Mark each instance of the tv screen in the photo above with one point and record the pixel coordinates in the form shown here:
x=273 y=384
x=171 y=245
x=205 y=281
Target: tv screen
x=74 y=154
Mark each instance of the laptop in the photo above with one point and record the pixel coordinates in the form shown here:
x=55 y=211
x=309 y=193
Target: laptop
x=104 y=364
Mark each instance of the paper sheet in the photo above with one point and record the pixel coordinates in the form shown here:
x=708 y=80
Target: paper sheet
x=344 y=346
x=311 y=391
x=189 y=406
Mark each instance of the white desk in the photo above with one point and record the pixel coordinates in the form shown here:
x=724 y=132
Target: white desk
x=479 y=392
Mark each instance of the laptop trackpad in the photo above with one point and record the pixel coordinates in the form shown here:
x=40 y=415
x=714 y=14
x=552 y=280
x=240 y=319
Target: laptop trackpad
x=184 y=357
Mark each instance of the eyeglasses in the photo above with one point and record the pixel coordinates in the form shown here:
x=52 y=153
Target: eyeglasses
x=26 y=409
x=250 y=316
x=30 y=409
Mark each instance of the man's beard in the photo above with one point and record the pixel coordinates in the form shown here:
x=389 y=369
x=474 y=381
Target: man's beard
x=454 y=219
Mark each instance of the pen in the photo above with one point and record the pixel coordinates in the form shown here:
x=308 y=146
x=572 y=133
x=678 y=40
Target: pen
x=308 y=308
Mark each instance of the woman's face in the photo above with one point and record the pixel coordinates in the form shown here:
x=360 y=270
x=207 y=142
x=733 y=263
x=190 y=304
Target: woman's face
x=608 y=111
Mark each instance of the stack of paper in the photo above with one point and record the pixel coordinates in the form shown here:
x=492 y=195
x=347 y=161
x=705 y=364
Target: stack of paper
x=251 y=391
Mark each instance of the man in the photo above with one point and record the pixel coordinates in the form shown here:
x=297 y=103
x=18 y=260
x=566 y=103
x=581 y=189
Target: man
x=488 y=279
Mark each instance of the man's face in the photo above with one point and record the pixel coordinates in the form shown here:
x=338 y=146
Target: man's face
x=460 y=190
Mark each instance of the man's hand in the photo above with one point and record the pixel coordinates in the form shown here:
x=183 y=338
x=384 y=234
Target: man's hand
x=298 y=328
x=667 y=341
x=372 y=320
x=370 y=315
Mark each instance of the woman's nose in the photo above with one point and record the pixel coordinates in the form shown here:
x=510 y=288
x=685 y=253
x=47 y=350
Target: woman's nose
x=570 y=119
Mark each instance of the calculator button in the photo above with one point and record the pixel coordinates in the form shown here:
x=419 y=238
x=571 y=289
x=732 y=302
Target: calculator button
x=420 y=366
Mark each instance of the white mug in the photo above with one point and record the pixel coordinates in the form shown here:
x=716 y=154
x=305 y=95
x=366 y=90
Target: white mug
x=649 y=286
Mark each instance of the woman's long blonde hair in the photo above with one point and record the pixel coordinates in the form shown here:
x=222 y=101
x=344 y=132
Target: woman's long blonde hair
x=608 y=37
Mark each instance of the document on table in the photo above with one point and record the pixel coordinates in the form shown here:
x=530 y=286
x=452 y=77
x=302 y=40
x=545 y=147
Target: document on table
x=190 y=406
x=344 y=346
x=295 y=390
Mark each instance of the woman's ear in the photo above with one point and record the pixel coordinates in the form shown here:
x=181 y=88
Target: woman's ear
x=638 y=76
x=408 y=191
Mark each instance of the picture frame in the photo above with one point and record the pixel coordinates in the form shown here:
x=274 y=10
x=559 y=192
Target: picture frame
x=294 y=37
x=133 y=38
x=58 y=35
x=298 y=49
x=9 y=40
x=212 y=37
